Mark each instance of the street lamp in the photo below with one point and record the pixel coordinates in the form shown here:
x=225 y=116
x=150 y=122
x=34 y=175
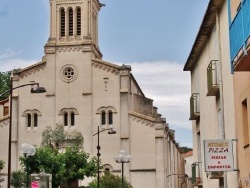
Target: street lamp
x=35 y=89
x=123 y=158
x=111 y=131
x=27 y=150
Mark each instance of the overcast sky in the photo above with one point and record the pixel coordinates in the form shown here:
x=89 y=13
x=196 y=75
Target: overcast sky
x=154 y=37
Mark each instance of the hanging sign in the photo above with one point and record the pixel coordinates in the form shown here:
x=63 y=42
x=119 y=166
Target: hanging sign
x=218 y=155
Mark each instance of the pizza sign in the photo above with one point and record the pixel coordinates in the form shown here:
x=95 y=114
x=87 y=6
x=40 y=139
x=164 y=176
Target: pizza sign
x=218 y=155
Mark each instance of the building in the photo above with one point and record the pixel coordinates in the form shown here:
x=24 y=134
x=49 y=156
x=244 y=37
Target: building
x=239 y=32
x=84 y=92
x=188 y=159
x=212 y=100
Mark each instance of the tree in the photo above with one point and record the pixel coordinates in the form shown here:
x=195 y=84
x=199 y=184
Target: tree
x=185 y=149
x=18 y=179
x=109 y=180
x=4 y=84
x=1 y=164
x=58 y=137
x=1 y=168
x=66 y=165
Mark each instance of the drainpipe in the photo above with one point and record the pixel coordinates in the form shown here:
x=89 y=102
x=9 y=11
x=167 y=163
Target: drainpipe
x=221 y=125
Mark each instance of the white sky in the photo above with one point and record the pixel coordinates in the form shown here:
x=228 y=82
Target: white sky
x=154 y=37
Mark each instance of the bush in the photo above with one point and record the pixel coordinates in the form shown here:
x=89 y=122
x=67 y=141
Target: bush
x=111 y=181
x=18 y=179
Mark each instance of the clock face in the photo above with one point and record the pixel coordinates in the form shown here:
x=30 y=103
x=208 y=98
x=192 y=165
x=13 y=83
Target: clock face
x=68 y=73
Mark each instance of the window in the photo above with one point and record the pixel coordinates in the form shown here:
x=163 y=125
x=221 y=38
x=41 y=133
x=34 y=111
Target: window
x=78 y=21
x=28 y=120
x=245 y=124
x=72 y=118
x=65 y=116
x=103 y=118
x=68 y=116
x=106 y=116
x=6 y=110
x=31 y=117
x=110 y=118
x=70 y=22
x=35 y=120
x=62 y=12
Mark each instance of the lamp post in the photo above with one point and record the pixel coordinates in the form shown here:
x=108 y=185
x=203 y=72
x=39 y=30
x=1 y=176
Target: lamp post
x=111 y=131
x=28 y=150
x=123 y=158
x=35 y=89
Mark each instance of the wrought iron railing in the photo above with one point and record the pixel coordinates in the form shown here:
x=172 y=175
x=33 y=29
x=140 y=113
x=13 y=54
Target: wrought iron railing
x=194 y=106
x=213 y=78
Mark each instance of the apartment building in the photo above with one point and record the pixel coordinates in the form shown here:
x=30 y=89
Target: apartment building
x=239 y=31
x=212 y=100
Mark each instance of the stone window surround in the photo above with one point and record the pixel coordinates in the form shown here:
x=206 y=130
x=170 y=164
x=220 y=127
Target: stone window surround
x=32 y=120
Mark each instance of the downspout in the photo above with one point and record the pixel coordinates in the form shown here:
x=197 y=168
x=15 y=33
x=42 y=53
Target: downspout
x=165 y=154
x=221 y=125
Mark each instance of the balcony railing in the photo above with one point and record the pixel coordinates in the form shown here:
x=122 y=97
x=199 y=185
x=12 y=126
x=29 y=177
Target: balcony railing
x=240 y=30
x=212 y=78
x=196 y=174
x=194 y=106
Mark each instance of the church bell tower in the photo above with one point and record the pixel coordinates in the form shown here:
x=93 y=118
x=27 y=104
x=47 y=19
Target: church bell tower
x=74 y=23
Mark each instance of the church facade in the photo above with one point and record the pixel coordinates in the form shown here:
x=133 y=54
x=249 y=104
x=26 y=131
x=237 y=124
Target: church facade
x=84 y=92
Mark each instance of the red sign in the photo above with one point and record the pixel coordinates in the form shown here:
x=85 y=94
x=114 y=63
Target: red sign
x=35 y=184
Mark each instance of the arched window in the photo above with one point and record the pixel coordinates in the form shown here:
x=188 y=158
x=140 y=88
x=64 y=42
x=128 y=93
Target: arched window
x=68 y=116
x=62 y=14
x=103 y=118
x=65 y=117
x=78 y=21
x=106 y=116
x=70 y=22
x=28 y=120
x=32 y=118
x=35 y=120
x=72 y=119
x=110 y=118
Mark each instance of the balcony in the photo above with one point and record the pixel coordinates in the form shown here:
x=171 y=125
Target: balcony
x=194 y=106
x=217 y=175
x=196 y=174
x=213 y=78
x=240 y=38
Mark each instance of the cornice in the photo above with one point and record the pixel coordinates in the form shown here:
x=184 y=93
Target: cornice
x=31 y=70
x=4 y=121
x=139 y=118
x=105 y=66
x=69 y=49
x=68 y=1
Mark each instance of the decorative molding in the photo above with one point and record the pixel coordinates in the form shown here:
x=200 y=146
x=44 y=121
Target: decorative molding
x=50 y=50
x=68 y=110
x=148 y=118
x=68 y=73
x=34 y=111
x=141 y=121
x=143 y=170
x=107 y=166
x=86 y=48
x=5 y=122
x=32 y=70
x=86 y=94
x=106 y=109
x=68 y=1
x=105 y=68
x=68 y=49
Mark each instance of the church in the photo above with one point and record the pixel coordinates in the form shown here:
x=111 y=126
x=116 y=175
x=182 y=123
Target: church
x=84 y=92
